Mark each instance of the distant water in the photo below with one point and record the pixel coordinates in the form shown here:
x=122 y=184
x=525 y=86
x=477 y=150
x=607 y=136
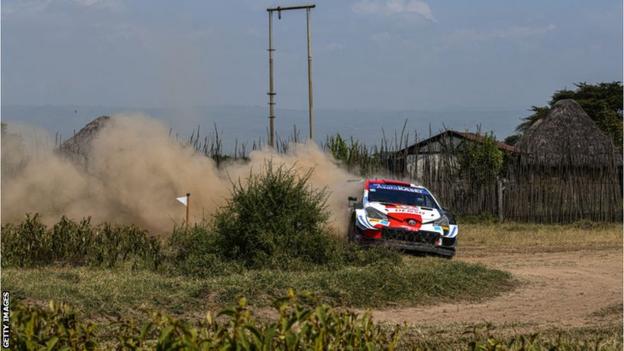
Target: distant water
x=248 y=123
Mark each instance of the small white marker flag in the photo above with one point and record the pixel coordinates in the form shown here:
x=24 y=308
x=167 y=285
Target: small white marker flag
x=182 y=200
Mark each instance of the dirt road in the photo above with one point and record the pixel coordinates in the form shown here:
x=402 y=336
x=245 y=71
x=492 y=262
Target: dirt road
x=559 y=289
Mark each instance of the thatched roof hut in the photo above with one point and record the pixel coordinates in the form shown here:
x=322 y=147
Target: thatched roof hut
x=78 y=146
x=567 y=137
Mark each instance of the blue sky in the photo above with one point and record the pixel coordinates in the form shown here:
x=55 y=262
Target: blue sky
x=367 y=54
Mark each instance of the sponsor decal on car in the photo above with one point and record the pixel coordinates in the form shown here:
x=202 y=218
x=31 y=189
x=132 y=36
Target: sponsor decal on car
x=374 y=186
x=403 y=210
x=407 y=209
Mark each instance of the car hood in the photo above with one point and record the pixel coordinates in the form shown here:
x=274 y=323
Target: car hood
x=404 y=213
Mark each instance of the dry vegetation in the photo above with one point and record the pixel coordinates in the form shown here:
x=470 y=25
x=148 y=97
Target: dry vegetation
x=98 y=292
x=488 y=239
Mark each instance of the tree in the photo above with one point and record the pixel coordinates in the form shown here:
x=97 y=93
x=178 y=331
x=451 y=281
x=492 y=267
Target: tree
x=602 y=102
x=481 y=161
x=538 y=113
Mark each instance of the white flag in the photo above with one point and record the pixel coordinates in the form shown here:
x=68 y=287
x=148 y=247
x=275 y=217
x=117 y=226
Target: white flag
x=182 y=199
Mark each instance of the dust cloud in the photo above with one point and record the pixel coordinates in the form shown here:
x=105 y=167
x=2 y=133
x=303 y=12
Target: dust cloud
x=134 y=172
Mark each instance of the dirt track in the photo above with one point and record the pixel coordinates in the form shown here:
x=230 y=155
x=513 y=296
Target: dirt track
x=558 y=289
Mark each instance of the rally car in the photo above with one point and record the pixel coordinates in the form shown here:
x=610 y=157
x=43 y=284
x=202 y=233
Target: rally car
x=404 y=216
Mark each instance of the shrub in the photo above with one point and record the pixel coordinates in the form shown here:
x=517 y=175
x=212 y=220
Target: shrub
x=193 y=251
x=71 y=241
x=301 y=325
x=275 y=220
x=25 y=244
x=54 y=328
x=115 y=244
x=31 y=243
x=482 y=161
x=355 y=155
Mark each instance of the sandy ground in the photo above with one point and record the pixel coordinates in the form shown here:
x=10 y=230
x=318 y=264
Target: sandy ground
x=559 y=289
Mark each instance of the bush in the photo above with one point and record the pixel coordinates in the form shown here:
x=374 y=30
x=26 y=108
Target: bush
x=54 y=328
x=71 y=241
x=26 y=244
x=481 y=162
x=354 y=155
x=31 y=243
x=193 y=251
x=114 y=244
x=301 y=325
x=275 y=220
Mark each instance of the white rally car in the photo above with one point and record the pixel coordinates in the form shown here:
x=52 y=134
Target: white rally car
x=404 y=216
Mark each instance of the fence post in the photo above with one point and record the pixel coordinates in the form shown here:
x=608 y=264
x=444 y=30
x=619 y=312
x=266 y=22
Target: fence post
x=500 y=198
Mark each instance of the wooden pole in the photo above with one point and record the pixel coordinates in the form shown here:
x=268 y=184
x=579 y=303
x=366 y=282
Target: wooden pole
x=188 y=205
x=310 y=104
x=271 y=92
x=500 y=200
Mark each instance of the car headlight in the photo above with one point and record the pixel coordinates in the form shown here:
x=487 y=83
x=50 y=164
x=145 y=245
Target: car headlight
x=443 y=221
x=375 y=213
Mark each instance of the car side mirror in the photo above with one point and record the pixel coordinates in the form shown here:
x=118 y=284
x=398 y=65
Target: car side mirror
x=449 y=215
x=352 y=201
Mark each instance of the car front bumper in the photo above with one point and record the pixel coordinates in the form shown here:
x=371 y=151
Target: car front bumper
x=416 y=241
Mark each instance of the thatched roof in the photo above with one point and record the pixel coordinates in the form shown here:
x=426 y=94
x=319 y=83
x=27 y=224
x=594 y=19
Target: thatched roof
x=78 y=146
x=567 y=136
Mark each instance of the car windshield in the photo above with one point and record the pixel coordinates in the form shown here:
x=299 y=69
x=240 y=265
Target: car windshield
x=400 y=195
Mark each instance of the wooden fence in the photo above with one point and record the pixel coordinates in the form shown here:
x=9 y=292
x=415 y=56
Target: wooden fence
x=522 y=192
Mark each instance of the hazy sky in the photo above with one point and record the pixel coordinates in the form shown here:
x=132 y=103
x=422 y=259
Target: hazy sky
x=379 y=54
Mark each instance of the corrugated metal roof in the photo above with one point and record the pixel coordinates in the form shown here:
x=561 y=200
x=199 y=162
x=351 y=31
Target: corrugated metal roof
x=474 y=137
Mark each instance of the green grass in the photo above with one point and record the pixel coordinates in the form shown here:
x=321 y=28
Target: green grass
x=96 y=291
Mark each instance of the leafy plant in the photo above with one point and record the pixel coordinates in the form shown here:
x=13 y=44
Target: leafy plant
x=54 y=328
x=26 y=243
x=482 y=161
x=354 y=155
x=30 y=243
x=275 y=219
x=194 y=251
x=302 y=324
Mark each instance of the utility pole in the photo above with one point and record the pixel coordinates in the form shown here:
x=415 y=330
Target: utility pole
x=271 y=92
x=310 y=101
